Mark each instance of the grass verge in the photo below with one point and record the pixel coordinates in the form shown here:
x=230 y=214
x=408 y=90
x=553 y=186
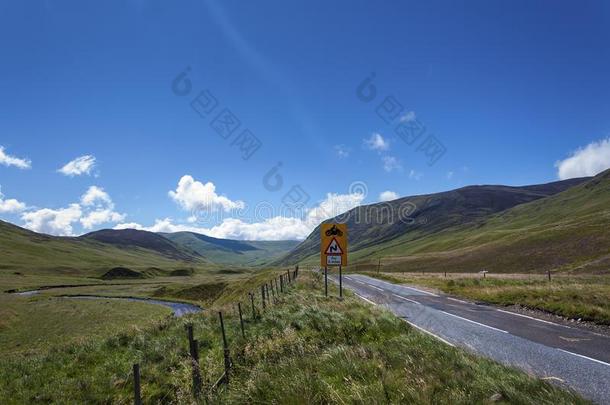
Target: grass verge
x=585 y=297
x=304 y=349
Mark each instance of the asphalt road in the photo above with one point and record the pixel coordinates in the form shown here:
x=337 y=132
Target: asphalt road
x=568 y=356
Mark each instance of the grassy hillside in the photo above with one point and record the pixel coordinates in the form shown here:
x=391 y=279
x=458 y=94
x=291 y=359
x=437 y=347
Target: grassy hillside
x=303 y=349
x=29 y=252
x=227 y=251
x=379 y=224
x=564 y=232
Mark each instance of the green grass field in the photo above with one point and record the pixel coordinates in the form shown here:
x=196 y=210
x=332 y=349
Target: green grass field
x=304 y=349
x=575 y=297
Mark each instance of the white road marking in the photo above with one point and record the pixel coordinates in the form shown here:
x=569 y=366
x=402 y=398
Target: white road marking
x=455 y=299
x=377 y=288
x=585 y=357
x=535 y=319
x=475 y=322
x=366 y=299
x=429 y=333
x=406 y=299
x=421 y=291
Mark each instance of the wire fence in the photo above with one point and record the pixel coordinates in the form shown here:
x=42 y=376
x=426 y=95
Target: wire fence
x=269 y=292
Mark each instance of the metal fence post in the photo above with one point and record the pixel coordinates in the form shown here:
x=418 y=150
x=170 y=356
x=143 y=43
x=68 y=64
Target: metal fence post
x=326 y=281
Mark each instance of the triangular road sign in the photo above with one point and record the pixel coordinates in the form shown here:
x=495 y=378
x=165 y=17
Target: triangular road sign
x=334 y=248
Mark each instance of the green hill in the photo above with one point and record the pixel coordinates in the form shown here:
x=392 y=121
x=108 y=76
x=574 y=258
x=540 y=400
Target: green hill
x=93 y=254
x=565 y=232
x=374 y=227
x=227 y=251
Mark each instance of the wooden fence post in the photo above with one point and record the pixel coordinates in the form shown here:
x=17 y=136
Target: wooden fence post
x=272 y=291
x=194 y=352
x=289 y=280
x=137 y=395
x=282 y=283
x=241 y=320
x=225 y=346
x=263 y=295
x=549 y=274
x=253 y=308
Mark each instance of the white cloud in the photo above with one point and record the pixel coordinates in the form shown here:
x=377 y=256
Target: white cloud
x=193 y=195
x=390 y=163
x=8 y=160
x=331 y=206
x=102 y=208
x=96 y=195
x=275 y=228
x=129 y=225
x=388 y=196
x=80 y=165
x=376 y=142
x=408 y=116
x=450 y=175
x=10 y=206
x=588 y=161
x=101 y=216
x=53 y=222
x=342 y=151
x=415 y=175
x=95 y=208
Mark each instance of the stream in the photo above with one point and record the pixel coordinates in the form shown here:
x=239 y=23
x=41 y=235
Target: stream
x=179 y=308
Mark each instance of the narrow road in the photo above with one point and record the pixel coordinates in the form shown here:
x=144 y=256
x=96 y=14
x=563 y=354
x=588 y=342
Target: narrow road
x=575 y=358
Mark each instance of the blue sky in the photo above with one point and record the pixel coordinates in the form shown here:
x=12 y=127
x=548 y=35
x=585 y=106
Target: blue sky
x=504 y=90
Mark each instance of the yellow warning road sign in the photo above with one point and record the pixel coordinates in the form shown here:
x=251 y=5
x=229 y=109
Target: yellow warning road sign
x=333 y=246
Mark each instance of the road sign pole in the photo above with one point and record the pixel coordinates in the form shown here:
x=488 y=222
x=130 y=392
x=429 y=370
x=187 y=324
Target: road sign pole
x=340 y=283
x=326 y=281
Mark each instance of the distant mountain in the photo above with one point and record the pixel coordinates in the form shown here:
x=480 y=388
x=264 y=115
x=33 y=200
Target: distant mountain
x=126 y=238
x=93 y=254
x=392 y=228
x=228 y=251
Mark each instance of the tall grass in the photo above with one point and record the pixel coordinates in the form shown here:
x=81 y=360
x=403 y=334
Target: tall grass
x=304 y=349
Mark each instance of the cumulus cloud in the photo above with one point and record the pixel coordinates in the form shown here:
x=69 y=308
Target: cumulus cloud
x=10 y=206
x=80 y=165
x=193 y=195
x=377 y=142
x=388 y=196
x=8 y=160
x=101 y=216
x=390 y=163
x=274 y=228
x=95 y=208
x=95 y=195
x=53 y=222
x=587 y=161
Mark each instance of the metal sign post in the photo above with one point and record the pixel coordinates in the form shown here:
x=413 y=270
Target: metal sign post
x=333 y=251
